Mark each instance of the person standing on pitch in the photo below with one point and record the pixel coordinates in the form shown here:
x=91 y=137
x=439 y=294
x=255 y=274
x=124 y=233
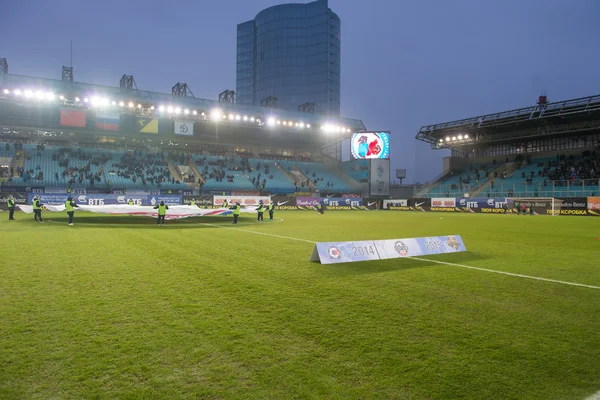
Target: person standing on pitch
x=320 y=209
x=37 y=209
x=70 y=208
x=236 y=212
x=193 y=202
x=271 y=209
x=11 y=208
x=130 y=202
x=226 y=203
x=162 y=211
x=261 y=210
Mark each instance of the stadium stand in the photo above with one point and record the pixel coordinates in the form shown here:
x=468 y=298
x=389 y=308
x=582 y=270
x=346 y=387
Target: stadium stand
x=357 y=170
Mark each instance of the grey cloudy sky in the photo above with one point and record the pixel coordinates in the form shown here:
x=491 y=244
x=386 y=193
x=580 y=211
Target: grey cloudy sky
x=404 y=63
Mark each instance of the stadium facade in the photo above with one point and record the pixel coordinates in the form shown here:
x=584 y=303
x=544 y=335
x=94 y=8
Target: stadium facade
x=547 y=150
x=291 y=52
x=58 y=134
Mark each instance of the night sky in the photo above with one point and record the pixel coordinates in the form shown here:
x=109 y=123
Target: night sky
x=404 y=63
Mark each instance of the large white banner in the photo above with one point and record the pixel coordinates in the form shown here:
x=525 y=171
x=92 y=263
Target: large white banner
x=184 y=128
x=174 y=211
x=379 y=178
x=243 y=200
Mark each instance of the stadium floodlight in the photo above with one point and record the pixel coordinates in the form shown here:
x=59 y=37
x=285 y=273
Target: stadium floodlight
x=121 y=104
x=17 y=92
x=39 y=95
x=203 y=114
x=139 y=106
x=271 y=121
x=453 y=138
x=278 y=122
x=285 y=123
x=28 y=93
x=114 y=103
x=348 y=130
x=238 y=117
x=161 y=108
x=105 y=102
x=152 y=107
x=308 y=125
x=62 y=97
x=76 y=99
x=245 y=118
x=441 y=140
x=447 y=138
x=301 y=125
x=459 y=137
x=194 y=112
x=177 y=110
x=215 y=114
x=6 y=91
x=169 y=109
x=230 y=116
x=130 y=104
x=186 y=111
x=466 y=136
x=251 y=119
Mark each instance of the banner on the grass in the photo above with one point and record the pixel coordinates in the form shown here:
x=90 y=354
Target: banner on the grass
x=243 y=200
x=20 y=198
x=343 y=252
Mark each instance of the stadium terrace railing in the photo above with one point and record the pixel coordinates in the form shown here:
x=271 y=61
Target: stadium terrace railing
x=539 y=188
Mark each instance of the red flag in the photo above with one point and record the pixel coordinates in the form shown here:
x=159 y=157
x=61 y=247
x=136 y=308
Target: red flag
x=72 y=118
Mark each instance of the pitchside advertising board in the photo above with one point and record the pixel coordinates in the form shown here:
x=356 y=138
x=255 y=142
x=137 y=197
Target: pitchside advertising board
x=243 y=200
x=20 y=198
x=104 y=199
x=343 y=252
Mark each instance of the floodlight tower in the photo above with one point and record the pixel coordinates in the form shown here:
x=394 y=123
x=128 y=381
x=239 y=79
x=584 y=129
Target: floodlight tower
x=67 y=74
x=182 y=89
x=307 y=108
x=227 y=96
x=270 y=101
x=127 y=82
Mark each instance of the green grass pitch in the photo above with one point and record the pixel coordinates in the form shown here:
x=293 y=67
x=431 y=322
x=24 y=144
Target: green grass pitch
x=115 y=307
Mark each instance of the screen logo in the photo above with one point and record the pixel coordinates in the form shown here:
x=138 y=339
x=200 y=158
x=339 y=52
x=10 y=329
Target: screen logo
x=368 y=145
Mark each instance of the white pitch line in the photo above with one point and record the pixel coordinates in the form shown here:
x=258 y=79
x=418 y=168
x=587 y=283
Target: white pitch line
x=428 y=260
x=595 y=396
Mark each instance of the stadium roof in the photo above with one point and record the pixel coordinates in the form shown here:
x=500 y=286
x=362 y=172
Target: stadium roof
x=9 y=83
x=543 y=120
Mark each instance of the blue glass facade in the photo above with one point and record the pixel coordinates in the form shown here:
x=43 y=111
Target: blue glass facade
x=292 y=52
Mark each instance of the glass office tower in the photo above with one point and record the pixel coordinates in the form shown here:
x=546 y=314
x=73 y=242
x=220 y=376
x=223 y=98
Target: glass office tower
x=292 y=52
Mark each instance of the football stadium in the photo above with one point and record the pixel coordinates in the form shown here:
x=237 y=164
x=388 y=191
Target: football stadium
x=166 y=246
